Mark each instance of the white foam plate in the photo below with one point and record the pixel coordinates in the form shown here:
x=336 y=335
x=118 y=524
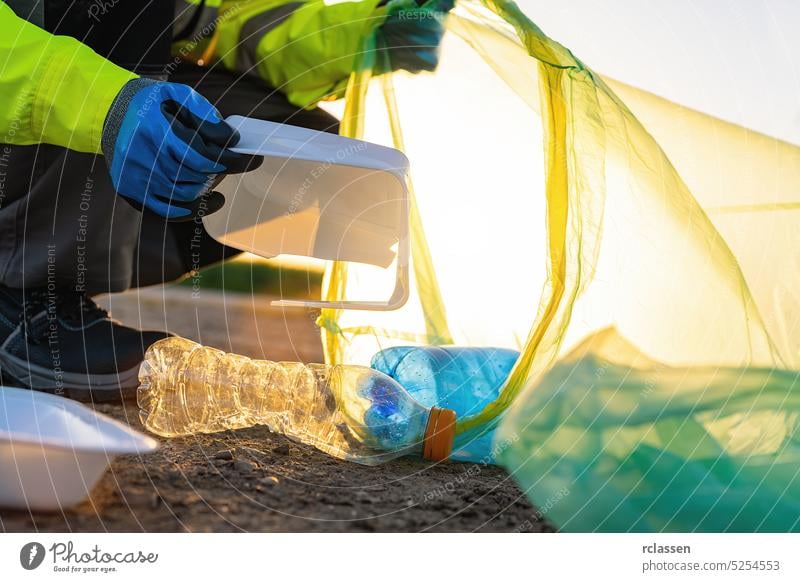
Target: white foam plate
x=54 y=450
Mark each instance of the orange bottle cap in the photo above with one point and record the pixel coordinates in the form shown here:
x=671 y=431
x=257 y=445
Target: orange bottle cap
x=439 y=435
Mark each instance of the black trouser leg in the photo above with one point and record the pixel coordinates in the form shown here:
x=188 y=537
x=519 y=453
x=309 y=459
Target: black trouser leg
x=61 y=222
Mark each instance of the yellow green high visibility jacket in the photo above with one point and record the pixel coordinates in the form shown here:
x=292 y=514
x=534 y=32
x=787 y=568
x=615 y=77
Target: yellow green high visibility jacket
x=56 y=90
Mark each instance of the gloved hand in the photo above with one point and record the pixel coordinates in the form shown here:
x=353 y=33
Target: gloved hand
x=409 y=38
x=165 y=144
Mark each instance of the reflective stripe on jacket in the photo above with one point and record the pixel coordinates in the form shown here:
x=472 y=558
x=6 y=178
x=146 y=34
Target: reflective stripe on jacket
x=306 y=50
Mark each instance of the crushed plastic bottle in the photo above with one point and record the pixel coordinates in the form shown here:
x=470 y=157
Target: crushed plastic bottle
x=462 y=379
x=350 y=412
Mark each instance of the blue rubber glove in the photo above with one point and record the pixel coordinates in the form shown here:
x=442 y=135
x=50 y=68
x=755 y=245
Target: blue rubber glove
x=165 y=144
x=409 y=38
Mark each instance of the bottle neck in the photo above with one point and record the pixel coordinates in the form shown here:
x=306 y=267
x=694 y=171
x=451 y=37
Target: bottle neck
x=440 y=433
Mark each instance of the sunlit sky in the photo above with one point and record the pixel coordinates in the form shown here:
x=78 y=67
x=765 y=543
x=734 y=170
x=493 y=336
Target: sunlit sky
x=735 y=59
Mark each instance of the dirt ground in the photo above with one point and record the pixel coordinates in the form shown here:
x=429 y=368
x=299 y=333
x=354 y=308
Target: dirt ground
x=252 y=480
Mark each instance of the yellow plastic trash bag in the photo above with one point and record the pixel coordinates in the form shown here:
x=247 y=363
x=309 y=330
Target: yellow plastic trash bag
x=545 y=210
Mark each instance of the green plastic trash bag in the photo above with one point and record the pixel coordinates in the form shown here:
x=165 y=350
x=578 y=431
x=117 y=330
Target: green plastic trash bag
x=610 y=440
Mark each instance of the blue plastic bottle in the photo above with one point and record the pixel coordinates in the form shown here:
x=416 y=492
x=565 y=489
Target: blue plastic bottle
x=461 y=379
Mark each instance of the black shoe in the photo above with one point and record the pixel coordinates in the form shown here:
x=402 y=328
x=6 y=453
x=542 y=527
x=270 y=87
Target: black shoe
x=62 y=342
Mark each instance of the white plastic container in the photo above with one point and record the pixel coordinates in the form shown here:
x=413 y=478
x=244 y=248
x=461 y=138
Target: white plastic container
x=54 y=450
x=317 y=195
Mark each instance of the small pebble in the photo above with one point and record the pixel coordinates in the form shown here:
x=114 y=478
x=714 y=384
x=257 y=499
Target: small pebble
x=364 y=496
x=189 y=499
x=282 y=449
x=245 y=466
x=251 y=452
x=224 y=455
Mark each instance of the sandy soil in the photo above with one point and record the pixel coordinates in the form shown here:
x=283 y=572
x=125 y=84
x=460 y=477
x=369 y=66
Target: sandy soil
x=252 y=480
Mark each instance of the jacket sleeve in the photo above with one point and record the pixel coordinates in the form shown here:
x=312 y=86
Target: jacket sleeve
x=305 y=49
x=55 y=89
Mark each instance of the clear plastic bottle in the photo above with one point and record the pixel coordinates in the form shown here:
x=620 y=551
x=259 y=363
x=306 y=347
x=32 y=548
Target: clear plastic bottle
x=462 y=379
x=350 y=412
